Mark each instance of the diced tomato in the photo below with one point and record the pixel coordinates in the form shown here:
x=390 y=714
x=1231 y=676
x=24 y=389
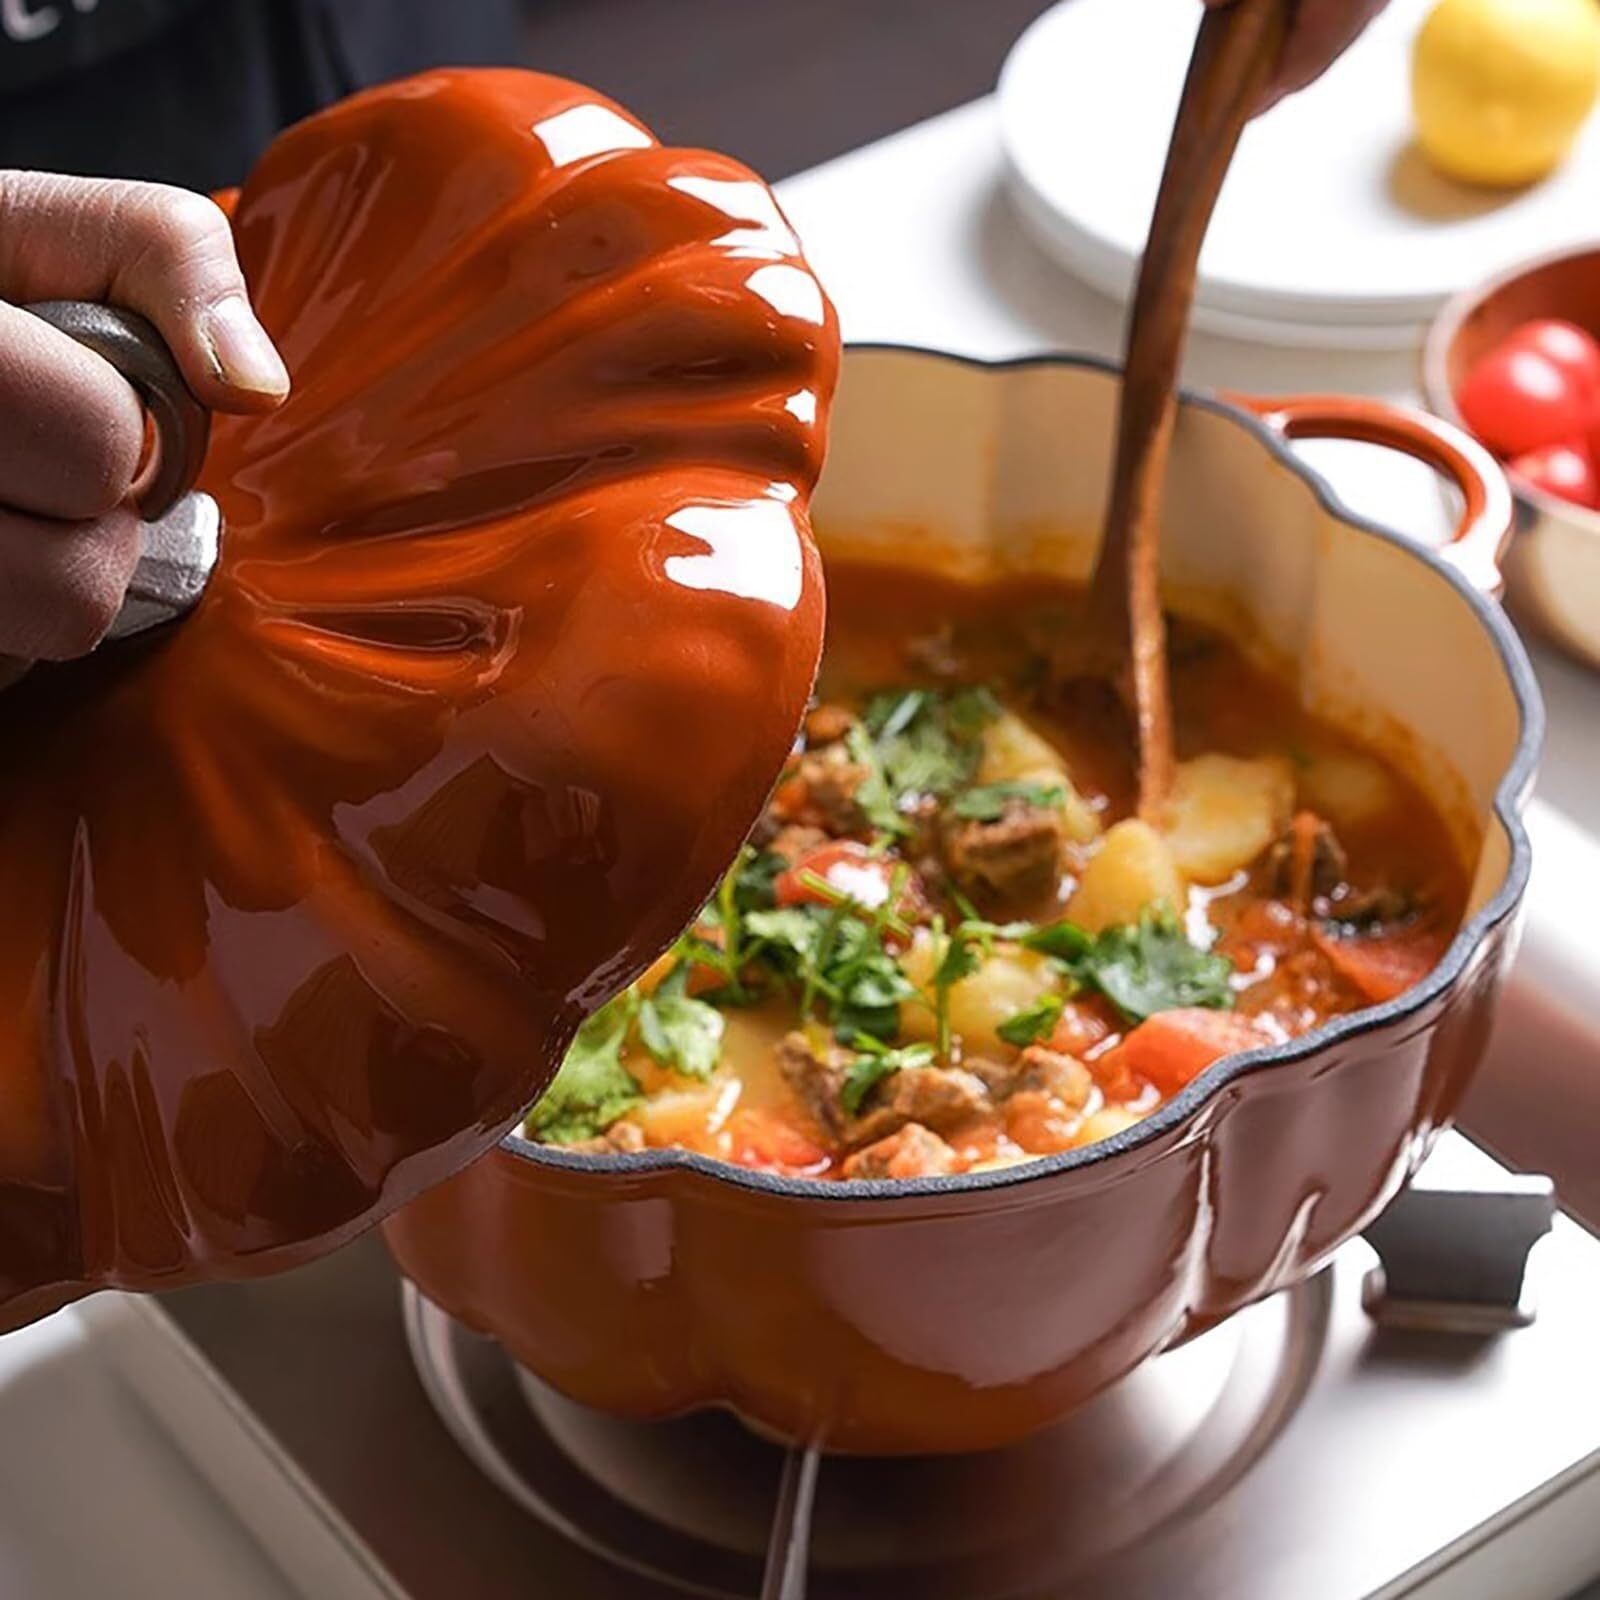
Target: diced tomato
x=1517 y=399
x=1380 y=966
x=763 y=1140
x=847 y=868
x=1082 y=1025
x=1564 y=470
x=1174 y=1047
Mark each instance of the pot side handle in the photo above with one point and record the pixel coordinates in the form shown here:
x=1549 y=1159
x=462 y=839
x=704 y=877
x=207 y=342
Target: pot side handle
x=1488 y=511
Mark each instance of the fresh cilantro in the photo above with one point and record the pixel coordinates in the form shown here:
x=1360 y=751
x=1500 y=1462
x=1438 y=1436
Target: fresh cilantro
x=1032 y=1023
x=755 y=876
x=680 y=1032
x=1064 y=940
x=873 y=793
x=988 y=802
x=970 y=711
x=1153 y=967
x=887 y=716
x=790 y=929
x=836 y=957
x=870 y=992
x=926 y=743
x=959 y=959
x=876 y=1062
x=593 y=1088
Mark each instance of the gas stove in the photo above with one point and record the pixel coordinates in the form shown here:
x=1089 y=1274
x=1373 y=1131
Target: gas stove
x=1422 y=1422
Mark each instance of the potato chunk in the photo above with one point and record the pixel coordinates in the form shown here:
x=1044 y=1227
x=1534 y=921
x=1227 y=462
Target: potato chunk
x=1132 y=871
x=1005 y=983
x=1014 y=753
x=1224 y=812
x=1104 y=1123
x=1347 y=787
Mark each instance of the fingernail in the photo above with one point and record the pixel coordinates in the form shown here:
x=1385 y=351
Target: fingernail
x=240 y=349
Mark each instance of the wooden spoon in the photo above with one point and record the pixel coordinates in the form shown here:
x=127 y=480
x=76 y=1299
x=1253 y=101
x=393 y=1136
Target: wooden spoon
x=1234 y=57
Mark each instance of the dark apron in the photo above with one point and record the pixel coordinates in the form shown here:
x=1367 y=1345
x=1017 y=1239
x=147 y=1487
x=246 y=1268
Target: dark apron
x=189 y=91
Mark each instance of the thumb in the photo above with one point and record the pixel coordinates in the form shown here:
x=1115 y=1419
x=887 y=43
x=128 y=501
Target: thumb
x=161 y=251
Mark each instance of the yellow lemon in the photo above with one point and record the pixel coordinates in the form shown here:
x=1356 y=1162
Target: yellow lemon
x=1500 y=88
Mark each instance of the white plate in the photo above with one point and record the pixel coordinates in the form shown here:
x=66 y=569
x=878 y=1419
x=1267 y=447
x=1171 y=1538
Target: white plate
x=96 y=1500
x=1331 y=229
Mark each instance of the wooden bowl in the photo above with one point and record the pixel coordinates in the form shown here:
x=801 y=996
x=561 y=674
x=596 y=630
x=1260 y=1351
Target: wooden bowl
x=1553 y=565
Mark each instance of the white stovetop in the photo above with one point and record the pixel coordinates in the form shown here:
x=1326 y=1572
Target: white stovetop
x=917 y=244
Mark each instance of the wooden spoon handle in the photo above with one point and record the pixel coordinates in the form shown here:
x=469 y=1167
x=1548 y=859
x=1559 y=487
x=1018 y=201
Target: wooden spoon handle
x=1234 y=57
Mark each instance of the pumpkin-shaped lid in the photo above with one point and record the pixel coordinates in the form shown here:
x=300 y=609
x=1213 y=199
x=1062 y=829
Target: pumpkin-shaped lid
x=515 y=619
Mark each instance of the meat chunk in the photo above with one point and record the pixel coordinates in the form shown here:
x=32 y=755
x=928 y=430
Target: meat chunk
x=1306 y=862
x=1309 y=869
x=1015 y=857
x=816 y=1080
x=937 y=1097
x=831 y=780
x=794 y=840
x=1039 y=1070
x=995 y=1076
x=911 y=1152
x=620 y=1139
x=827 y=724
x=1381 y=906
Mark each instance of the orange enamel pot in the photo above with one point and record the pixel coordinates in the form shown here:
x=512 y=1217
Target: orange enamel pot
x=950 y=1314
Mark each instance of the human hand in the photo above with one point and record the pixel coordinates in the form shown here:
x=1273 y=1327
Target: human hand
x=71 y=446
x=1320 y=32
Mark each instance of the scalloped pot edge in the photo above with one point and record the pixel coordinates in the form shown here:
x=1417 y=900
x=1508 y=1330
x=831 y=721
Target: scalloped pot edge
x=958 y=1313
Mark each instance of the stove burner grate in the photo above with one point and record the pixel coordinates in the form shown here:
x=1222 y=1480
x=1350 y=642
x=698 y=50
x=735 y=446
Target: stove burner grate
x=695 y=1503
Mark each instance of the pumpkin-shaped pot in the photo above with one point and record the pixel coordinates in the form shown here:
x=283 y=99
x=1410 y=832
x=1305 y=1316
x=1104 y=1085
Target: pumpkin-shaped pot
x=514 y=621
x=961 y=1313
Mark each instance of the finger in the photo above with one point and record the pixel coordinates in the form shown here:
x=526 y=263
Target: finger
x=157 y=250
x=1321 y=32
x=62 y=583
x=71 y=427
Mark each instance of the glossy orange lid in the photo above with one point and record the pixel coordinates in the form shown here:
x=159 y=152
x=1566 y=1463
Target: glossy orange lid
x=515 y=618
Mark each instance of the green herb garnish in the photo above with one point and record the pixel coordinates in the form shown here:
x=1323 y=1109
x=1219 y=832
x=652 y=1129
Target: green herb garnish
x=681 y=1033
x=987 y=803
x=1032 y=1023
x=755 y=875
x=926 y=743
x=959 y=959
x=873 y=793
x=593 y=1088
x=876 y=1062
x=1064 y=940
x=1153 y=967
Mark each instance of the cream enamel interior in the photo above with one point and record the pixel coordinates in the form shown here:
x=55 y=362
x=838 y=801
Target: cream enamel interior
x=979 y=471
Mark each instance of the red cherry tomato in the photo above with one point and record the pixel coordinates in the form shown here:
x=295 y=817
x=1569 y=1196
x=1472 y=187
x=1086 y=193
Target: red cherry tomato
x=845 y=867
x=1516 y=400
x=1564 y=470
x=1564 y=344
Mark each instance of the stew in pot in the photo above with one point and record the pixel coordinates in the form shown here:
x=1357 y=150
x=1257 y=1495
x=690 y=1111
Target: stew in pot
x=949 y=947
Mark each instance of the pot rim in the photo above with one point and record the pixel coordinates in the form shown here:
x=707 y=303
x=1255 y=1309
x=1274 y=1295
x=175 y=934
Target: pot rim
x=1509 y=796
